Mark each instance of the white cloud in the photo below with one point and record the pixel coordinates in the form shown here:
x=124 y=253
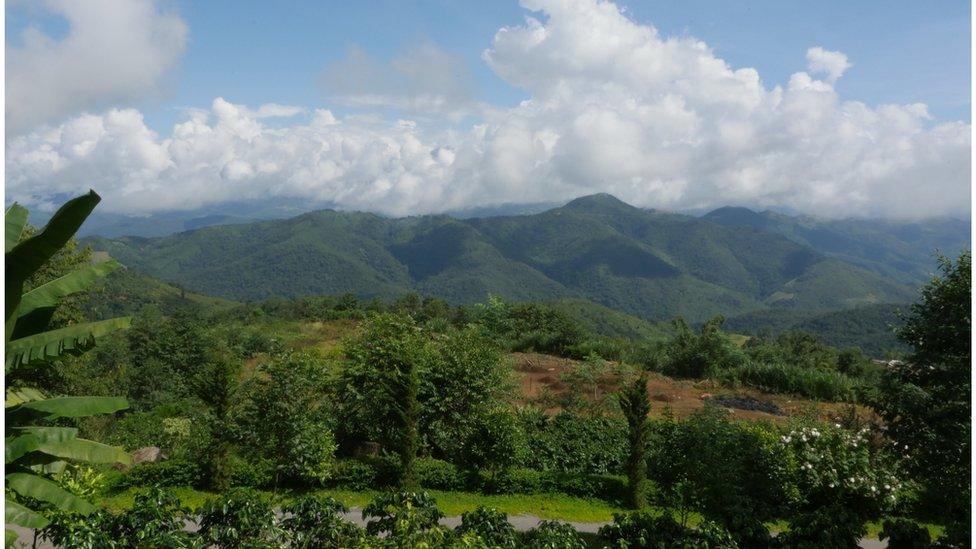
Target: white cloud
x=614 y=107
x=115 y=50
x=831 y=63
x=425 y=79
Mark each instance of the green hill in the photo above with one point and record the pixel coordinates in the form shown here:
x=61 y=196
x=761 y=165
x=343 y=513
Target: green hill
x=648 y=264
x=869 y=327
x=901 y=250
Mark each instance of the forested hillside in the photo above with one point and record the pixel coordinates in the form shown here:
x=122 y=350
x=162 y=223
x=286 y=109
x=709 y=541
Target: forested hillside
x=650 y=264
x=902 y=250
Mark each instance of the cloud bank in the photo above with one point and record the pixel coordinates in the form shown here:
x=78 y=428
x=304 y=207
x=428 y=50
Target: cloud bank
x=116 y=50
x=614 y=107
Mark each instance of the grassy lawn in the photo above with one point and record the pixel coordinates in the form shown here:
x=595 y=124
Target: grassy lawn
x=546 y=506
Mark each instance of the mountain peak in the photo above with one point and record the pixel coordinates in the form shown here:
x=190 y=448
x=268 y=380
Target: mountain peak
x=598 y=203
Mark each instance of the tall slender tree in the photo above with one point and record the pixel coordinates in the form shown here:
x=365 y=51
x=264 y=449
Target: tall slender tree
x=635 y=404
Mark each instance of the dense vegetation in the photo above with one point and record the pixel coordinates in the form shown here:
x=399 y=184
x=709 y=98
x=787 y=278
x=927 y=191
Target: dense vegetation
x=265 y=406
x=650 y=264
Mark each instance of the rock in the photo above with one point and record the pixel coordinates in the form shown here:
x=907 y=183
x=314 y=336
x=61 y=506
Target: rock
x=366 y=449
x=148 y=454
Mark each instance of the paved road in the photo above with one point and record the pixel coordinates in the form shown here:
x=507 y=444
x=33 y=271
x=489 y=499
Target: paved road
x=520 y=522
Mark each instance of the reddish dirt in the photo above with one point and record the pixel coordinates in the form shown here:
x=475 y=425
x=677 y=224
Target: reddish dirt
x=539 y=373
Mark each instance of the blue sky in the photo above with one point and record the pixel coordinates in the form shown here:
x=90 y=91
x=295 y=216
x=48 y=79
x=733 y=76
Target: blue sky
x=167 y=59
x=256 y=52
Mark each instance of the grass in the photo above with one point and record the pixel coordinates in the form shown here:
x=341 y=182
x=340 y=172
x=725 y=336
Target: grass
x=544 y=506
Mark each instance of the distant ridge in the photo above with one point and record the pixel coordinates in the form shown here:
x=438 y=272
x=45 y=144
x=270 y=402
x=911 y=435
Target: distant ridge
x=650 y=264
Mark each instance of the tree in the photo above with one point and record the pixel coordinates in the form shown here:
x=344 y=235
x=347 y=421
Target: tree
x=381 y=386
x=216 y=383
x=285 y=418
x=34 y=447
x=468 y=378
x=701 y=355
x=926 y=399
x=635 y=405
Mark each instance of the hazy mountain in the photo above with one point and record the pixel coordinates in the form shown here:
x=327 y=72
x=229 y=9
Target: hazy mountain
x=651 y=264
x=903 y=250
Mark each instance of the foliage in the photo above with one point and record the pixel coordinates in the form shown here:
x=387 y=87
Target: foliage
x=551 y=534
x=169 y=472
x=381 y=385
x=239 y=517
x=401 y=513
x=635 y=405
x=904 y=534
x=156 y=519
x=573 y=443
x=496 y=442
x=736 y=475
x=286 y=419
x=781 y=378
x=29 y=345
x=701 y=355
x=646 y=529
x=315 y=521
x=926 y=399
x=490 y=525
x=842 y=481
x=468 y=379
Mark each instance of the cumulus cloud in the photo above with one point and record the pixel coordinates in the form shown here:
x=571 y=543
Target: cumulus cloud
x=614 y=107
x=424 y=79
x=831 y=63
x=115 y=50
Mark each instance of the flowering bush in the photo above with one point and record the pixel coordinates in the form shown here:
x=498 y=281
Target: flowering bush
x=842 y=482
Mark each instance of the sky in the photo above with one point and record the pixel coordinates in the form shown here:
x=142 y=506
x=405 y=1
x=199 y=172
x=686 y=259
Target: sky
x=835 y=109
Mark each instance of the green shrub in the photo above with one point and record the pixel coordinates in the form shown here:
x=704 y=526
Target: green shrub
x=646 y=529
x=240 y=517
x=830 y=526
x=738 y=475
x=355 y=474
x=904 y=534
x=605 y=487
x=316 y=521
x=256 y=473
x=490 y=525
x=435 y=474
x=574 y=443
x=170 y=472
x=511 y=481
x=817 y=384
x=550 y=534
x=156 y=519
x=401 y=514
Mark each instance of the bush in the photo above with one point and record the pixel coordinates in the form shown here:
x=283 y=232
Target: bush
x=512 y=481
x=490 y=525
x=605 y=487
x=314 y=521
x=573 y=443
x=645 y=529
x=737 y=475
x=170 y=472
x=550 y=534
x=255 y=473
x=904 y=534
x=155 y=520
x=783 y=378
x=355 y=474
x=401 y=514
x=239 y=517
x=438 y=475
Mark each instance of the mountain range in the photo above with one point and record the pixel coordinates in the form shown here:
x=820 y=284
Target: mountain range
x=647 y=263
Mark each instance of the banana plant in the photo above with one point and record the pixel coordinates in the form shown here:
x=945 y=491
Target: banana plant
x=32 y=445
